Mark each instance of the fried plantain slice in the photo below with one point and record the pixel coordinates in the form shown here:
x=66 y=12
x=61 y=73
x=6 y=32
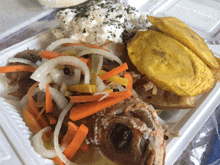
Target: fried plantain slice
x=169 y=64
x=182 y=33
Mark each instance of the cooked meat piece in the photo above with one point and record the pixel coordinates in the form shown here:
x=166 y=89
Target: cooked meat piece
x=129 y=133
x=23 y=78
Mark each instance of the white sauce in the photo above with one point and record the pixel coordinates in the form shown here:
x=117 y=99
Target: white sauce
x=98 y=22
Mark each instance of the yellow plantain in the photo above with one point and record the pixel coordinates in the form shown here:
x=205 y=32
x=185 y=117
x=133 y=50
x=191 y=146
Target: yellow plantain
x=170 y=64
x=182 y=33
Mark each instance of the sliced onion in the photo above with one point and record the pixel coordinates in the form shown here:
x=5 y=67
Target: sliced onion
x=24 y=100
x=63 y=88
x=39 y=144
x=99 y=67
x=43 y=82
x=59 y=42
x=77 y=76
x=21 y=60
x=101 y=52
x=100 y=85
x=59 y=77
x=44 y=60
x=58 y=97
x=75 y=49
x=121 y=88
x=59 y=152
x=49 y=65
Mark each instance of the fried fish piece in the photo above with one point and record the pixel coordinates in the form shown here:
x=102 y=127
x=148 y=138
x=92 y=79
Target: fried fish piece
x=182 y=33
x=165 y=100
x=169 y=64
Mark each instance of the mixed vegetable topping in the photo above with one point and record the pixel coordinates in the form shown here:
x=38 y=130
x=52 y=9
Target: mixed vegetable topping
x=71 y=82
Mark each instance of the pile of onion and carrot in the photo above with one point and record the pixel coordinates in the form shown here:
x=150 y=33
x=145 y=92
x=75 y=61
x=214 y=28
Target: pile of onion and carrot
x=66 y=73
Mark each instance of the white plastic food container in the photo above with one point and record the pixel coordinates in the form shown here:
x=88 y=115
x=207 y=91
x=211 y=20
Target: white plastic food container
x=60 y=3
x=203 y=16
x=16 y=14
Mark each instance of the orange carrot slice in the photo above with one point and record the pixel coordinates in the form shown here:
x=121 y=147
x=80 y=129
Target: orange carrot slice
x=17 y=68
x=87 y=45
x=130 y=81
x=33 y=109
x=32 y=123
x=90 y=98
x=84 y=60
x=51 y=118
x=29 y=94
x=114 y=71
x=72 y=129
x=41 y=112
x=49 y=100
x=85 y=98
x=76 y=142
x=49 y=54
x=83 y=110
x=58 y=161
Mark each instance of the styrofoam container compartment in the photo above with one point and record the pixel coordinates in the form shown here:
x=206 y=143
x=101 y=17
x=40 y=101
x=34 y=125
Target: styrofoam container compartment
x=203 y=16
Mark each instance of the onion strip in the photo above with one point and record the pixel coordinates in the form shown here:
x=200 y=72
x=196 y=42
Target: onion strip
x=99 y=67
x=101 y=52
x=21 y=60
x=59 y=42
x=58 y=97
x=56 y=134
x=77 y=76
x=76 y=49
x=43 y=83
x=59 y=77
x=100 y=85
x=39 y=144
x=24 y=100
x=49 y=65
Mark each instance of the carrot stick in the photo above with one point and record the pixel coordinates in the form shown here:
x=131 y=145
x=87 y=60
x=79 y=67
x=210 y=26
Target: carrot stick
x=32 y=123
x=51 y=118
x=83 y=110
x=49 y=100
x=41 y=112
x=30 y=98
x=130 y=82
x=115 y=78
x=49 y=54
x=114 y=71
x=90 y=98
x=85 y=98
x=84 y=60
x=72 y=129
x=87 y=45
x=76 y=142
x=17 y=68
x=35 y=111
x=58 y=161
